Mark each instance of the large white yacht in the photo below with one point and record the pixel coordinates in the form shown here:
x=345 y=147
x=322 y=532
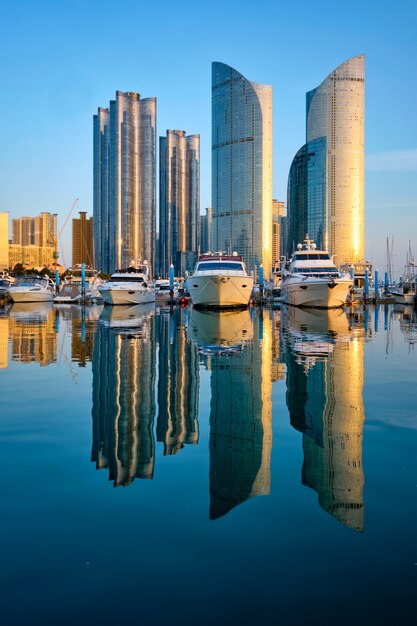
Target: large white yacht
x=131 y=285
x=313 y=280
x=32 y=288
x=220 y=281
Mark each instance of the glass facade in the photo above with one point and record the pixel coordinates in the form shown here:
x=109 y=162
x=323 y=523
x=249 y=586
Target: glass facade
x=333 y=178
x=335 y=110
x=241 y=166
x=125 y=181
x=179 y=201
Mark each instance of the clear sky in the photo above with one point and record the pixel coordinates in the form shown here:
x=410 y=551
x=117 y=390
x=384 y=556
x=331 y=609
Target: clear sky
x=61 y=60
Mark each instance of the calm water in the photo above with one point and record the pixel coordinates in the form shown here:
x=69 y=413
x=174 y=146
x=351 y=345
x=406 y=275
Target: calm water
x=207 y=468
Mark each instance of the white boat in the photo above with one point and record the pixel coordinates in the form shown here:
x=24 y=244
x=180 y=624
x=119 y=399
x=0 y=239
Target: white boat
x=32 y=288
x=6 y=282
x=406 y=291
x=313 y=280
x=129 y=286
x=162 y=291
x=71 y=291
x=220 y=281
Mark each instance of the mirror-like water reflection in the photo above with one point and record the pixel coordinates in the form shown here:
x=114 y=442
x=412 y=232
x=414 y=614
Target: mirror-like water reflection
x=226 y=406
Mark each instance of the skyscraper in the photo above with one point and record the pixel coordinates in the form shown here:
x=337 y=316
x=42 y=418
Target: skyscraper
x=278 y=209
x=40 y=231
x=326 y=179
x=242 y=166
x=82 y=240
x=206 y=231
x=125 y=181
x=179 y=201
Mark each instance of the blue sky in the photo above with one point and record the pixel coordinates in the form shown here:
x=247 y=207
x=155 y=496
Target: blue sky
x=61 y=60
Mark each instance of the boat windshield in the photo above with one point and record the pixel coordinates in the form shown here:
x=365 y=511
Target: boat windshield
x=220 y=265
x=30 y=281
x=312 y=256
x=126 y=279
x=315 y=270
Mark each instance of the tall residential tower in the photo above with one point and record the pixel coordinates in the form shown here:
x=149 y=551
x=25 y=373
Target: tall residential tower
x=179 y=201
x=326 y=180
x=242 y=166
x=125 y=181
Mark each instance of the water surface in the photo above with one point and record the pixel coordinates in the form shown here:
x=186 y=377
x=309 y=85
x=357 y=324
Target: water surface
x=199 y=468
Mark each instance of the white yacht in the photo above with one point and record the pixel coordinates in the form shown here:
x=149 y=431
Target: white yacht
x=313 y=280
x=220 y=281
x=129 y=286
x=32 y=288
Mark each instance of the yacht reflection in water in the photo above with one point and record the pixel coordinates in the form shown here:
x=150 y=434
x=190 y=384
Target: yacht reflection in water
x=123 y=393
x=238 y=351
x=324 y=361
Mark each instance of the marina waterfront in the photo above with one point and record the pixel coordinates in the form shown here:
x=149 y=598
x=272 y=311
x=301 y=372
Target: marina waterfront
x=197 y=467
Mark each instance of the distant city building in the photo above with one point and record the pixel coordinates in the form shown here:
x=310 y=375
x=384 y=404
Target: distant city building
x=206 y=222
x=37 y=257
x=4 y=241
x=125 y=182
x=326 y=179
x=179 y=201
x=278 y=211
x=242 y=166
x=283 y=228
x=38 y=231
x=82 y=240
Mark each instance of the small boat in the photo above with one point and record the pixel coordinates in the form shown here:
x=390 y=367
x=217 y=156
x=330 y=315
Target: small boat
x=220 y=281
x=162 y=291
x=6 y=282
x=32 y=288
x=313 y=280
x=406 y=291
x=73 y=292
x=131 y=285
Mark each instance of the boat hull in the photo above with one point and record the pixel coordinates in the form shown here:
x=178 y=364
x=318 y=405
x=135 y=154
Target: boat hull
x=30 y=295
x=116 y=296
x=403 y=298
x=318 y=294
x=220 y=291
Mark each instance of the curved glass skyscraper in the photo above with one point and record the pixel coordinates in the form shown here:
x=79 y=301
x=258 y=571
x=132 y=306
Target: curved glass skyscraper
x=327 y=199
x=241 y=166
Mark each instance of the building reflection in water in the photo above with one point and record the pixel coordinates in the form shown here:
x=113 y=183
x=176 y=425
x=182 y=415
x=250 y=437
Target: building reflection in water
x=4 y=338
x=239 y=357
x=123 y=393
x=324 y=361
x=32 y=332
x=178 y=383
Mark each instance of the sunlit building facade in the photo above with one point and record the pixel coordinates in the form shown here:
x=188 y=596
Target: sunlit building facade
x=242 y=166
x=83 y=240
x=125 y=181
x=179 y=201
x=4 y=241
x=326 y=179
x=278 y=210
